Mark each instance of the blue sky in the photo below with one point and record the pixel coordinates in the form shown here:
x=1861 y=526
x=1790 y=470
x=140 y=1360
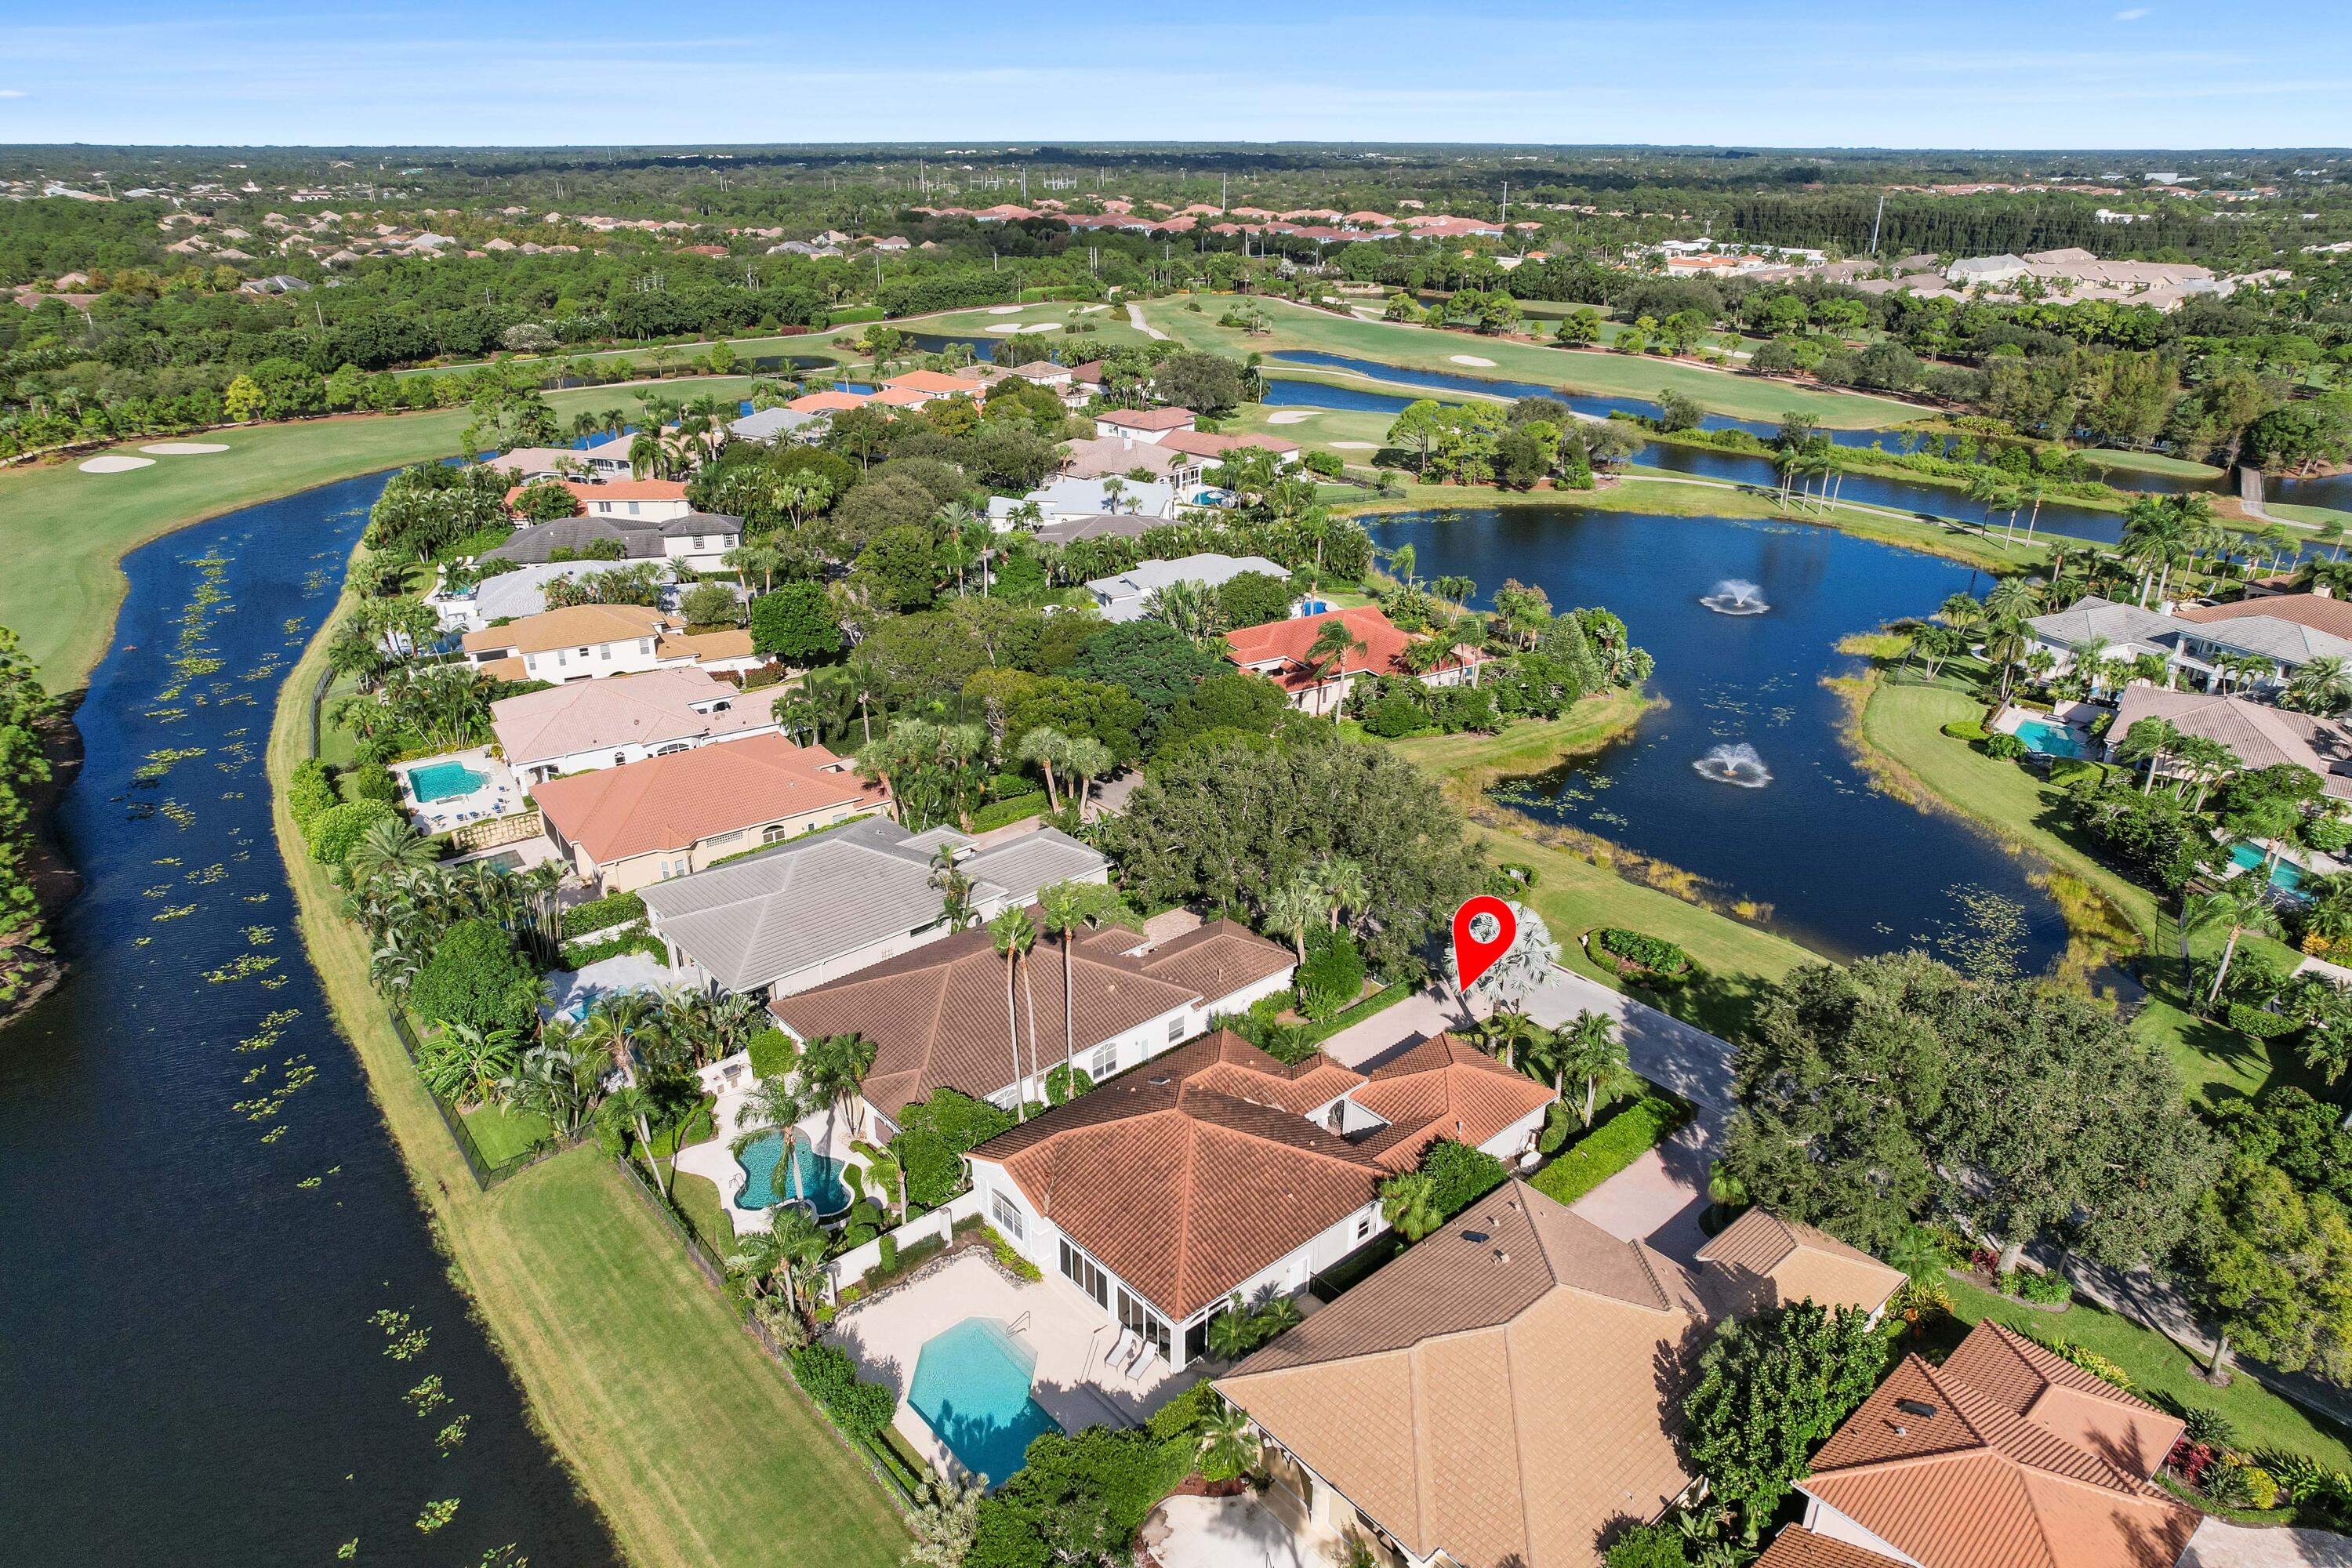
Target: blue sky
x=1994 y=73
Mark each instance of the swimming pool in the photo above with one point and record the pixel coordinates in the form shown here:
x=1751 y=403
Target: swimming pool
x=444 y=781
x=2048 y=738
x=971 y=1383
x=814 y=1177
x=2286 y=876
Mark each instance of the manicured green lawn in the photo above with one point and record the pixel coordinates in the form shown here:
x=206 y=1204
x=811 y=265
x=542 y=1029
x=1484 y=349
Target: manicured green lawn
x=1301 y=327
x=1110 y=325
x=1526 y=748
x=2161 y=1371
x=699 y=1198
x=65 y=531
x=2148 y=463
x=2315 y=516
x=501 y=1133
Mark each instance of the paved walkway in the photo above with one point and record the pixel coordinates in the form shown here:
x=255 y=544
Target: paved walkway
x=1681 y=1056
x=1223 y=1532
x=1135 y=314
x=2218 y=1543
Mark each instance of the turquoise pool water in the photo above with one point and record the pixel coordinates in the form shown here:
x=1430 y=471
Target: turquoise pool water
x=971 y=1383
x=2051 y=738
x=2286 y=876
x=814 y=1177
x=444 y=781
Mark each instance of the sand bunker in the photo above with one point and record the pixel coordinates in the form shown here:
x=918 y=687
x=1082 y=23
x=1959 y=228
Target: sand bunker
x=116 y=463
x=1005 y=309
x=1040 y=327
x=184 y=448
x=1356 y=446
x=1470 y=359
x=1002 y=327
x=1290 y=417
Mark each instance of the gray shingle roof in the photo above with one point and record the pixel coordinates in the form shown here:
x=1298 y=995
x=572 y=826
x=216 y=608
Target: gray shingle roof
x=776 y=913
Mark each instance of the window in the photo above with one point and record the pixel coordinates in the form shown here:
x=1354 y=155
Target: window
x=620 y=758
x=1141 y=1319
x=645 y=645
x=1008 y=1214
x=559 y=657
x=606 y=649
x=1086 y=1275
x=697 y=543
x=633 y=508
x=1364 y=1227
x=1175 y=1028
x=1105 y=1062
x=775 y=833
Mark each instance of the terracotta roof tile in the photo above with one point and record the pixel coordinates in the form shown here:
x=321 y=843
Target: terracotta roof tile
x=1800 y=1263
x=1444 y=1087
x=677 y=801
x=1284 y=646
x=1797 y=1547
x=576 y=625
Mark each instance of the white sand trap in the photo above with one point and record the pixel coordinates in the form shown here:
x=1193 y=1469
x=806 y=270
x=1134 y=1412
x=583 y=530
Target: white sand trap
x=1471 y=359
x=1002 y=327
x=184 y=448
x=1356 y=446
x=1040 y=327
x=1005 y=309
x=1088 y=310
x=116 y=463
x=1290 y=417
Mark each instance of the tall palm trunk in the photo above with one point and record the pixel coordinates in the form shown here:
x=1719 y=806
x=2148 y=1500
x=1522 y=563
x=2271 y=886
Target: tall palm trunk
x=1013 y=1040
x=1069 y=1024
x=1029 y=995
x=2228 y=950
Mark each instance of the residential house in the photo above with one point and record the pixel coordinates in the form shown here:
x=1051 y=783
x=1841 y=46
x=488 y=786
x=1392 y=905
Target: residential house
x=1763 y=1260
x=1105 y=456
x=1211 y=449
x=1279 y=651
x=514 y=593
x=2260 y=734
x=1145 y=424
x=803 y=913
x=770 y=425
x=574 y=538
x=928 y=386
x=1059 y=500
x=1098 y=525
x=592 y=724
x=827 y=401
x=937 y=1017
x=674 y=530
x=1125 y=595
x=530 y=464
x=586 y=642
x=650 y=500
x=669 y=816
x=2007 y=1455
x=2194 y=640
x=1217 y=1171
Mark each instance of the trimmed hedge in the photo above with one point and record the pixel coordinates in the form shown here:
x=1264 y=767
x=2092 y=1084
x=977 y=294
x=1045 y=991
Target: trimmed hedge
x=1655 y=953
x=1965 y=730
x=2261 y=1023
x=580 y=954
x=1017 y=809
x=614 y=908
x=772 y=1052
x=1609 y=1148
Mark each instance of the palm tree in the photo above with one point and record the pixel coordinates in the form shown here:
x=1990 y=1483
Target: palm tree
x=1725 y=1190
x=1189 y=606
x=640 y=1108
x=2322 y=686
x=1343 y=879
x=2209 y=761
x=614 y=1022
x=1962 y=612
x=1294 y=908
x=390 y=845
x=1409 y=1201
x=831 y=1070
x=1228 y=1443
x=1918 y=1253
x=2243 y=903
x=1591 y=1048
x=1335 y=643
x=1066 y=906
x=1090 y=760
x=1045 y=746
x=1518 y=1041
x=2012 y=599
x=2150 y=740
x=463 y=1063
x=1012 y=937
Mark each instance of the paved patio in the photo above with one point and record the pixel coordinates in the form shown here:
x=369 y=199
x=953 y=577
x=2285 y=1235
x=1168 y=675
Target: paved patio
x=2218 y=1543
x=1069 y=1332
x=731 y=1083
x=1229 y=1532
x=497 y=796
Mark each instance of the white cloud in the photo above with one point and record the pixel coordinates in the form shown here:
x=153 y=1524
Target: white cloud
x=2133 y=15
x=11 y=92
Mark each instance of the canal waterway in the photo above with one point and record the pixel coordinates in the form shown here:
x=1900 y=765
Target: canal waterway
x=225 y=1336
x=1845 y=868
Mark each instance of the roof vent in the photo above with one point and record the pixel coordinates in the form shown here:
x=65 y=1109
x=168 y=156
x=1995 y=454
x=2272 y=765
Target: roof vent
x=1916 y=1408
x=1162 y=1079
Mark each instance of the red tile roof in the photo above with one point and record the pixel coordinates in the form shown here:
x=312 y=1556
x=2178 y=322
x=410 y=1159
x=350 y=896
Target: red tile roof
x=1202 y=443
x=615 y=489
x=1149 y=418
x=677 y=801
x=1283 y=646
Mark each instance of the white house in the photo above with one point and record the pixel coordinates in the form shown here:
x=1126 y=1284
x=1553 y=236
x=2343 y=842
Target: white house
x=1125 y=595
x=588 y=642
x=590 y=724
x=1149 y=424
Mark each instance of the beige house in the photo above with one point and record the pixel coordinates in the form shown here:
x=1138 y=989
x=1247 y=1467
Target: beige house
x=622 y=828
x=588 y=642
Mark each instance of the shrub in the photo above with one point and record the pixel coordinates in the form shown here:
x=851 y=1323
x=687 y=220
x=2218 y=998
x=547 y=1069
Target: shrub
x=773 y=1052
x=2067 y=770
x=2090 y=1361
x=1463 y=1174
x=2049 y=1289
x=831 y=1379
x=888 y=1248
x=2261 y=1022
x=337 y=830
x=2261 y=1491
x=546 y=500
x=1608 y=1148
x=1396 y=715
x=476 y=977
x=1333 y=975
x=932 y=1137
x=1018 y=808
x=2329 y=834
x=2004 y=748
x=310 y=790
x=373 y=781
x=1021 y=1267
x=1649 y=1546
x=581 y=954
x=2203 y=1424
x=1965 y=730
x=596 y=914
x=1655 y=953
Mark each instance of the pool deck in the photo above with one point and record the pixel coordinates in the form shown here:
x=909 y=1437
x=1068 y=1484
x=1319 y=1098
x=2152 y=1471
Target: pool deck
x=2076 y=716
x=498 y=796
x=714 y=1159
x=1052 y=1317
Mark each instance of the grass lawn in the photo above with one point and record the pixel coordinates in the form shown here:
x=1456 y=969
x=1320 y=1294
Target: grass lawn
x=1471 y=761
x=2313 y=516
x=1302 y=327
x=2148 y=463
x=696 y=1447
x=1110 y=324
x=2161 y=1371
x=500 y=1133
x=698 y=1196
x=65 y=531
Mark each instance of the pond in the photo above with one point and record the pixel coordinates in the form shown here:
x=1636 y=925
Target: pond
x=1845 y=868
x=201 y=1212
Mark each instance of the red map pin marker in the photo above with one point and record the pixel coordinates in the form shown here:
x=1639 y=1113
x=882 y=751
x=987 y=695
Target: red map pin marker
x=1472 y=956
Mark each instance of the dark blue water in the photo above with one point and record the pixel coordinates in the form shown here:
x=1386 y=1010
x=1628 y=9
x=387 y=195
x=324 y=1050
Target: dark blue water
x=186 y=1354
x=1932 y=503
x=2326 y=490
x=981 y=347
x=1847 y=869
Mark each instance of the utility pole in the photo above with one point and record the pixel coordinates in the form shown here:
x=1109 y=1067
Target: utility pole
x=1875 y=222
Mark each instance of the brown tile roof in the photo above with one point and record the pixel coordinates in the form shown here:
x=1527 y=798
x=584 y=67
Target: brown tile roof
x=1444 y=1087
x=677 y=801
x=1218 y=959
x=646 y=709
x=936 y=1015
x=1149 y=418
x=731 y=642
x=1950 y=1476
x=616 y=490
x=576 y=625
x=1506 y=1392
x=1205 y=444
x=1798 y=1263
x=1797 y=1547
x=2082 y=1408
x=1284 y=646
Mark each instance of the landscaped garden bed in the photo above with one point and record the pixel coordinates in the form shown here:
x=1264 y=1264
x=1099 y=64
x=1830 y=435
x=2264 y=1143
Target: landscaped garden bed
x=1636 y=953
x=1609 y=1147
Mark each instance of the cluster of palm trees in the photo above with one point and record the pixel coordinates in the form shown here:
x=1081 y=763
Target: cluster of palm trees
x=1587 y=1051
x=445 y=706
x=1318 y=896
x=2192 y=762
x=1067 y=908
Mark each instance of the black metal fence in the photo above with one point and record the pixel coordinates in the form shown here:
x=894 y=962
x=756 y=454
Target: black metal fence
x=486 y=1173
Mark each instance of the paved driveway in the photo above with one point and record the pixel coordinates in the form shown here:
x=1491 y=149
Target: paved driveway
x=2218 y=1543
x=1662 y=1049
x=1391 y=1030
x=1659 y=1197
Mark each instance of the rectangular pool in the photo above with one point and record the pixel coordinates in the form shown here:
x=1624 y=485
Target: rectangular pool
x=2286 y=876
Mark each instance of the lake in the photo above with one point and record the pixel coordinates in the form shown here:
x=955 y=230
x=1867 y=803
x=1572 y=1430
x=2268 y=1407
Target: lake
x=201 y=1212
x=1847 y=869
